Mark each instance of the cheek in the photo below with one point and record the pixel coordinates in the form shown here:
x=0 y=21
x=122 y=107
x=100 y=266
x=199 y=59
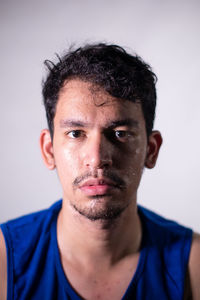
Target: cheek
x=67 y=165
x=133 y=164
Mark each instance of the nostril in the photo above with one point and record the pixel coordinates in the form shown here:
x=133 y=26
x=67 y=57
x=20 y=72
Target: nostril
x=98 y=163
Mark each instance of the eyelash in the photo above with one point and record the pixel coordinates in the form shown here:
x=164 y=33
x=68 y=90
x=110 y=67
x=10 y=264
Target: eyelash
x=80 y=132
x=113 y=134
x=123 y=132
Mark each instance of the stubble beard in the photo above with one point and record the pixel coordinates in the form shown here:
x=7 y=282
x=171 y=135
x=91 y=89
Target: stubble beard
x=95 y=212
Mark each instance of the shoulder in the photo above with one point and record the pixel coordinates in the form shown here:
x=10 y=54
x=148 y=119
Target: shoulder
x=194 y=266
x=165 y=230
x=171 y=243
x=169 y=237
x=29 y=224
x=19 y=239
x=24 y=232
x=3 y=268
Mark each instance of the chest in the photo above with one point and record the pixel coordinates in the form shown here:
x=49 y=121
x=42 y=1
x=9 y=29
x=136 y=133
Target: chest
x=97 y=283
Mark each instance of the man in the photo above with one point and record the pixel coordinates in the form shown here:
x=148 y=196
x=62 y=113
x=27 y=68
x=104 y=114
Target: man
x=97 y=243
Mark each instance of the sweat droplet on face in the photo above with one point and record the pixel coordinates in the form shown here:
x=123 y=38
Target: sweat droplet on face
x=137 y=151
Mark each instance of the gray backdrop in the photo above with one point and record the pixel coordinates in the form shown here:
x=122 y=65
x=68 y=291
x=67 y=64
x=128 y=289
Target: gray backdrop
x=165 y=33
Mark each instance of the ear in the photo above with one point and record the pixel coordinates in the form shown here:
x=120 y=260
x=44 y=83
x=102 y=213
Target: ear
x=153 y=147
x=46 y=148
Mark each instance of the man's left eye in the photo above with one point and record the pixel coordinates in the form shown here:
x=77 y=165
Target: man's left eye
x=121 y=134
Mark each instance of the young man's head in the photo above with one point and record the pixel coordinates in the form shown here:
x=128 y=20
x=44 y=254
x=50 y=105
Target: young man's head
x=100 y=104
x=122 y=75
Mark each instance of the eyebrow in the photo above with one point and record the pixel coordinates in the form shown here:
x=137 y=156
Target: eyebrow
x=110 y=125
x=73 y=123
x=125 y=122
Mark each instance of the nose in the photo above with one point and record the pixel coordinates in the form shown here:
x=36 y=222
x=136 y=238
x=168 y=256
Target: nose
x=97 y=152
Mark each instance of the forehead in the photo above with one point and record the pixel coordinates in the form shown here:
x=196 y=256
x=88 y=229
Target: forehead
x=90 y=102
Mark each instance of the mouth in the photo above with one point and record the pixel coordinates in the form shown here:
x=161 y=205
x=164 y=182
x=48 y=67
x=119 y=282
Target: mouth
x=93 y=187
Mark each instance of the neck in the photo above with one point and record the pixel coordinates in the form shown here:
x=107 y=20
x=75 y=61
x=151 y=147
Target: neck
x=107 y=241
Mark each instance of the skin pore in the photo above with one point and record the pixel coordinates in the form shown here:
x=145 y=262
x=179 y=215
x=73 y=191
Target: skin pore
x=99 y=150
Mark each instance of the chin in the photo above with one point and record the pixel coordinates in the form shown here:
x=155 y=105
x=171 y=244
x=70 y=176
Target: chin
x=99 y=211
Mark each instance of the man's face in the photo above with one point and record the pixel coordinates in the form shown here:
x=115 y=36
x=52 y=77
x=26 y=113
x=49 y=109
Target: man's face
x=99 y=149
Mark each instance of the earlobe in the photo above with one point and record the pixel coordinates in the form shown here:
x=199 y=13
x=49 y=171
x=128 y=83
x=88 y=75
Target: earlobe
x=46 y=148
x=153 y=147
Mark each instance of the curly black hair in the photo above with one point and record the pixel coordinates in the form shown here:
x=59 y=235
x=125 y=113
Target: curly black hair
x=119 y=73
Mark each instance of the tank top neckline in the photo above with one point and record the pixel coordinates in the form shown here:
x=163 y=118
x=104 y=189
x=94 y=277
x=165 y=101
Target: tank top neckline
x=63 y=278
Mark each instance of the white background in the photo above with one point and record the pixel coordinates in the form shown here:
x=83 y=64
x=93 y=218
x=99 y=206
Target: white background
x=166 y=34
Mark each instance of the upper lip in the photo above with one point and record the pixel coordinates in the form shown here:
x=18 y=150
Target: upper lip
x=98 y=181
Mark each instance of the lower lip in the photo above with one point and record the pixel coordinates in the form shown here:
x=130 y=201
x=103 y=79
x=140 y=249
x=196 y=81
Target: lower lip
x=93 y=190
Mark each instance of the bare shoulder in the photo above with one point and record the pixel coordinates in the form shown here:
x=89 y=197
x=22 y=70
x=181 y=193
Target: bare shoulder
x=194 y=266
x=3 y=268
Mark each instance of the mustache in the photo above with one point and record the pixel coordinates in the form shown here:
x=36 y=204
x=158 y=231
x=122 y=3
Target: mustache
x=119 y=182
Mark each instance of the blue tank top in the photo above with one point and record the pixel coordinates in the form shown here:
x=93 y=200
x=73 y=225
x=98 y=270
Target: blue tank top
x=35 y=271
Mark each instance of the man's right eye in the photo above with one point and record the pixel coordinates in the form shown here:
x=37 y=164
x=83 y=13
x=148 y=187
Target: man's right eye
x=74 y=134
